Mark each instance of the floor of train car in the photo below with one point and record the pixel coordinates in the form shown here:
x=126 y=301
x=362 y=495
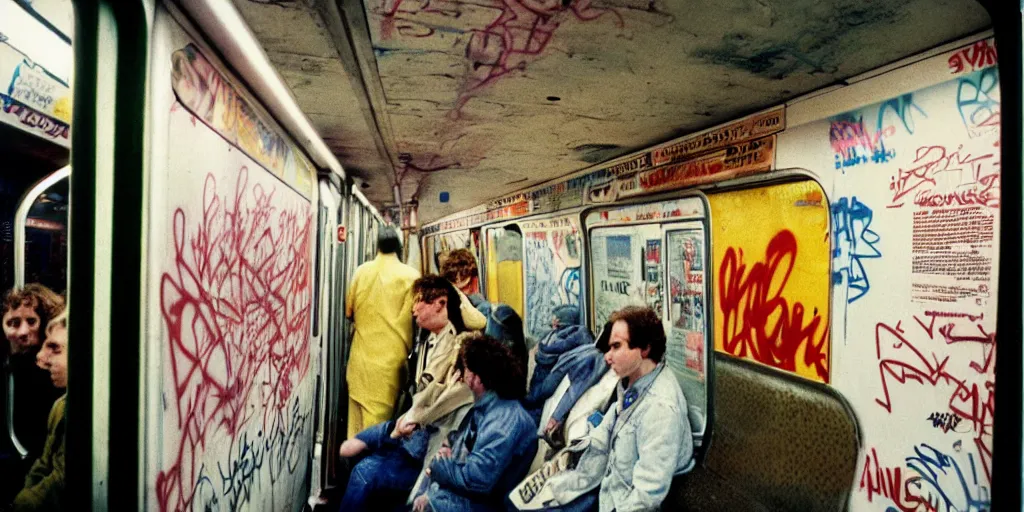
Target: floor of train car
x=334 y=494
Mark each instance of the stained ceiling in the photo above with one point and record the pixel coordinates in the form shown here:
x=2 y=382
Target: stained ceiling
x=481 y=98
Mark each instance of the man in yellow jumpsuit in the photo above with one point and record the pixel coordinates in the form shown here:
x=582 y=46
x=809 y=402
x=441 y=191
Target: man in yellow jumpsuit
x=380 y=301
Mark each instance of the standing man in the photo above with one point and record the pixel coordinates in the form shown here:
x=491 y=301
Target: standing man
x=380 y=302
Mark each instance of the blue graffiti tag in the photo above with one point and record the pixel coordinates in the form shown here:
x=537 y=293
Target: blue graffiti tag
x=204 y=494
x=853 y=241
x=977 y=99
x=541 y=287
x=944 y=475
x=282 y=447
x=571 y=285
x=242 y=470
x=904 y=108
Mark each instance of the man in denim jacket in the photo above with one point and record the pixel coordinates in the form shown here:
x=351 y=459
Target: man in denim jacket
x=628 y=461
x=492 y=449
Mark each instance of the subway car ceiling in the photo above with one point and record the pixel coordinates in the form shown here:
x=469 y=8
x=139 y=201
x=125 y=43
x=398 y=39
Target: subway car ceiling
x=478 y=100
x=810 y=196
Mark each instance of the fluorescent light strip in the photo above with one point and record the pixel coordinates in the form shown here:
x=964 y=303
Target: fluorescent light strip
x=224 y=26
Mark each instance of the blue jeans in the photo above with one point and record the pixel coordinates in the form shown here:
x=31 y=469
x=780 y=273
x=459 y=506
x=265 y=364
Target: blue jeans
x=380 y=482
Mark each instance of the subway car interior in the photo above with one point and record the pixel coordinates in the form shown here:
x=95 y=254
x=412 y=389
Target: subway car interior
x=189 y=187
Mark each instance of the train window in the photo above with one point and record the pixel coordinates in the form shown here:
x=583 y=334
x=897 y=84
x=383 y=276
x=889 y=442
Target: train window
x=687 y=333
x=428 y=263
x=369 y=240
x=443 y=244
x=552 y=250
x=626 y=268
x=505 y=266
x=481 y=264
x=357 y=235
x=45 y=242
x=426 y=254
x=372 y=228
x=39 y=236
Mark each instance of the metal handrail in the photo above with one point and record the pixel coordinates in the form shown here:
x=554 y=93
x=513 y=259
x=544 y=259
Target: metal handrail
x=21 y=218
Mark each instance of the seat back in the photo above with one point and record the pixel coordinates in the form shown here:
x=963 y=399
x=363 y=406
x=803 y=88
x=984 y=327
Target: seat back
x=778 y=443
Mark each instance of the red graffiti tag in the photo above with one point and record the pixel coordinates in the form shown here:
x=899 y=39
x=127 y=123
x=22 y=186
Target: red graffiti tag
x=972 y=58
x=759 y=321
x=236 y=306
x=972 y=397
x=845 y=135
x=942 y=178
x=888 y=482
x=520 y=33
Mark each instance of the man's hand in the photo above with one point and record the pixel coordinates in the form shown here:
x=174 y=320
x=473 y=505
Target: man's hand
x=444 y=453
x=552 y=426
x=351 y=447
x=420 y=504
x=403 y=428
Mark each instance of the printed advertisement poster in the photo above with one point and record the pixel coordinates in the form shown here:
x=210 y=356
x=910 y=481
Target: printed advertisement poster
x=687 y=312
x=616 y=270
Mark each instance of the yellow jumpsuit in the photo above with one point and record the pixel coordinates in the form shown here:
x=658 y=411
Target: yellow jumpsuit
x=379 y=300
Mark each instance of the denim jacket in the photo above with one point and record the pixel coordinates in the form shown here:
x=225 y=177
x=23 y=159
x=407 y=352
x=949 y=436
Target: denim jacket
x=635 y=451
x=551 y=351
x=491 y=452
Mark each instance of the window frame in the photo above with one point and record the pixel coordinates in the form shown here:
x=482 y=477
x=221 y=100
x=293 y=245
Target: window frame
x=575 y=215
x=700 y=440
x=21 y=219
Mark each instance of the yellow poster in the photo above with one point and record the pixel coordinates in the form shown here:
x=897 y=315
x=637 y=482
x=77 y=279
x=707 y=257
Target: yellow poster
x=772 y=282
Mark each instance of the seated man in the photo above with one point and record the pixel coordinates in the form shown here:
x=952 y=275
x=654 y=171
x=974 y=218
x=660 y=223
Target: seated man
x=567 y=349
x=497 y=320
x=490 y=452
x=628 y=461
x=44 y=485
x=438 y=389
x=460 y=269
x=397 y=448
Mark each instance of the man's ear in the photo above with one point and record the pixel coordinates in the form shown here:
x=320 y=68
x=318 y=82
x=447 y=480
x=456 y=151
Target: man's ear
x=646 y=352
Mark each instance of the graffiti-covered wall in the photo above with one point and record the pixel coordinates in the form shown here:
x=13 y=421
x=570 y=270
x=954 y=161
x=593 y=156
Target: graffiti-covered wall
x=914 y=185
x=231 y=297
x=552 y=250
